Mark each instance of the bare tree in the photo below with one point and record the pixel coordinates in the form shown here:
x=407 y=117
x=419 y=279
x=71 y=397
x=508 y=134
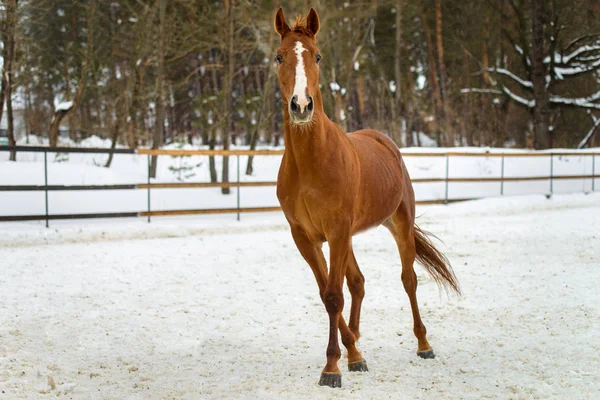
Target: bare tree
x=543 y=67
x=71 y=107
x=442 y=64
x=538 y=77
x=267 y=91
x=8 y=38
x=227 y=91
x=397 y=136
x=159 y=123
x=433 y=80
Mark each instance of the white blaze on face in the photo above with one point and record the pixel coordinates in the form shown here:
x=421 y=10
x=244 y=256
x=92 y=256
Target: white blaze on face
x=301 y=81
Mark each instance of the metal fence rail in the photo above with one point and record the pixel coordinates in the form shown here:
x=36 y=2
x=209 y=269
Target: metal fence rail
x=148 y=186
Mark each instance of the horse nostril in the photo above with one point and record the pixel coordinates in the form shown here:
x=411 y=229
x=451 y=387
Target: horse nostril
x=294 y=104
x=310 y=104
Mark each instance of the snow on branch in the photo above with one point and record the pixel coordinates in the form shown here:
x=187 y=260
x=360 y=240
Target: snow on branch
x=477 y=90
x=582 y=49
x=578 y=69
x=579 y=60
x=64 y=106
x=522 y=54
x=584 y=102
x=512 y=76
x=521 y=100
x=583 y=38
x=590 y=133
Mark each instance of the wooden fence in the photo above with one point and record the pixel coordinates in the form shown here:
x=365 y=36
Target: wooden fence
x=148 y=186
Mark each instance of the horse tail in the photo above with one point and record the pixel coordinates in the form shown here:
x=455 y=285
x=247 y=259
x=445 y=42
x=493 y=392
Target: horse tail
x=434 y=262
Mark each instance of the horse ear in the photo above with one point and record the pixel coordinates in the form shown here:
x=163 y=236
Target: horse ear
x=280 y=25
x=312 y=22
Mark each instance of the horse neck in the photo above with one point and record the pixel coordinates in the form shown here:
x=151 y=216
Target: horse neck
x=313 y=141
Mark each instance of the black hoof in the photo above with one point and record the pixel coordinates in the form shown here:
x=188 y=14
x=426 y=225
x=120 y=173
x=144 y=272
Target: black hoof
x=426 y=354
x=332 y=380
x=358 y=366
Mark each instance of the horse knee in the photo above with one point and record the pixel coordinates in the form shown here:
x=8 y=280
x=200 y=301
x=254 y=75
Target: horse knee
x=334 y=302
x=356 y=284
x=409 y=279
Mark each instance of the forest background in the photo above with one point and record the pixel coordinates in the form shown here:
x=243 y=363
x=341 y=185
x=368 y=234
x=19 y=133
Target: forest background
x=502 y=73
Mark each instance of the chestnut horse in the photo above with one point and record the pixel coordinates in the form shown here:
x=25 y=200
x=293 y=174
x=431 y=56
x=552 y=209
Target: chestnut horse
x=332 y=185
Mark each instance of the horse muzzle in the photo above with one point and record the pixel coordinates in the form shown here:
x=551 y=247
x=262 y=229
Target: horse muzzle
x=301 y=112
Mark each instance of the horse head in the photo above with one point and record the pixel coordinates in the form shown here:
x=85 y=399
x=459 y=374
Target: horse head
x=298 y=66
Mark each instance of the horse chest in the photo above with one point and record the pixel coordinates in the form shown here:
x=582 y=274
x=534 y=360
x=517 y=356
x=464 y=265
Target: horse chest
x=302 y=208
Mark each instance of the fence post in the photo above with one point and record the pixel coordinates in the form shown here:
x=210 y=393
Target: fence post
x=502 y=177
x=148 y=158
x=447 y=176
x=238 y=187
x=46 y=183
x=551 y=174
x=593 y=171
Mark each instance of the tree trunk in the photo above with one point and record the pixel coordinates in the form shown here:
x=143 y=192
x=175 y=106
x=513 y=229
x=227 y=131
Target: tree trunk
x=28 y=111
x=361 y=99
x=118 y=95
x=159 y=122
x=211 y=159
x=485 y=131
x=9 y=54
x=227 y=89
x=277 y=135
x=61 y=114
x=136 y=121
x=433 y=82
x=4 y=81
x=467 y=102
x=448 y=136
x=113 y=144
x=411 y=111
x=267 y=91
x=540 y=109
x=397 y=135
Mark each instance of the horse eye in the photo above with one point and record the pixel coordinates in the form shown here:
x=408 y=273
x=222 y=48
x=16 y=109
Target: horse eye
x=318 y=58
x=279 y=58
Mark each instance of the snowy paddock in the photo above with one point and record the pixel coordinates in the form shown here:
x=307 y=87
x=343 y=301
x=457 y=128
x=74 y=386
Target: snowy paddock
x=209 y=308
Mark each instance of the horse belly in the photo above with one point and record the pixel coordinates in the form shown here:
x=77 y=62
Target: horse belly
x=381 y=191
x=376 y=208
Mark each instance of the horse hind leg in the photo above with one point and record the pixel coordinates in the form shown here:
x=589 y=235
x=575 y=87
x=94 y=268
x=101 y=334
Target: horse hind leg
x=401 y=225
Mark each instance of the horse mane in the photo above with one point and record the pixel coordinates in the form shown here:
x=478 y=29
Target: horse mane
x=300 y=26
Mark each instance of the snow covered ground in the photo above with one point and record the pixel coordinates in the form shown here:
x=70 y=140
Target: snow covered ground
x=209 y=308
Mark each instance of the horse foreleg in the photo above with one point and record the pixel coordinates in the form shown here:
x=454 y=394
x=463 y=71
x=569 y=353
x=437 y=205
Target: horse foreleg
x=313 y=255
x=339 y=244
x=356 y=285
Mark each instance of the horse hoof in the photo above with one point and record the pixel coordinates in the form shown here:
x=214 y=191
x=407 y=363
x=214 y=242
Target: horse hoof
x=426 y=354
x=358 y=366
x=331 y=379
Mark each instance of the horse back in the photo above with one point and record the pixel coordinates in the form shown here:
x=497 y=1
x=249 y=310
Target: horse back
x=378 y=153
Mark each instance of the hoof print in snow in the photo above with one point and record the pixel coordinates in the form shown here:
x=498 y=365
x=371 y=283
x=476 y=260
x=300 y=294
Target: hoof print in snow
x=331 y=380
x=358 y=366
x=426 y=354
